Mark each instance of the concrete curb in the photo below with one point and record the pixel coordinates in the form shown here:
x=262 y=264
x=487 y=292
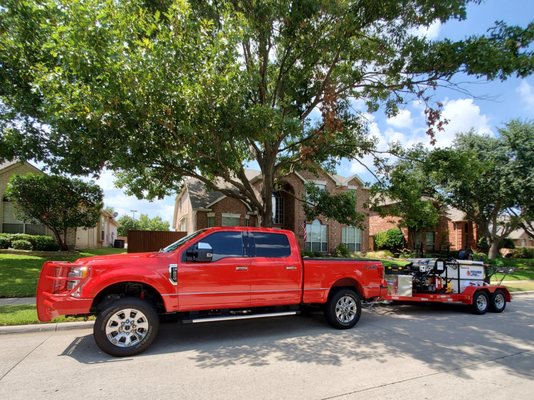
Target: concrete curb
x=63 y=326
x=520 y=293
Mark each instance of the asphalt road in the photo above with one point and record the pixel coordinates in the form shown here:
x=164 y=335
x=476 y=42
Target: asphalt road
x=395 y=352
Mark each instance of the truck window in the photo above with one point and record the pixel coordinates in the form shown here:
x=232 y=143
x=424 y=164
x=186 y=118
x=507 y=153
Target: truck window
x=224 y=244
x=271 y=245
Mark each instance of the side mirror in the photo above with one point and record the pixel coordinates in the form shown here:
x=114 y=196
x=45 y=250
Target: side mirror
x=201 y=252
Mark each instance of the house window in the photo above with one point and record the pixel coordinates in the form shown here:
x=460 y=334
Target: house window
x=429 y=241
x=278 y=209
x=231 y=219
x=316 y=237
x=211 y=220
x=351 y=237
x=183 y=225
x=11 y=224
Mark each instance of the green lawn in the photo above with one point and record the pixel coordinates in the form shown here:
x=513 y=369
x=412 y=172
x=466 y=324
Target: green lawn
x=26 y=314
x=19 y=273
x=524 y=268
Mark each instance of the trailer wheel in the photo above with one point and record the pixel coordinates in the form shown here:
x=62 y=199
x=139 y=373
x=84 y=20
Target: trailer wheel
x=498 y=301
x=343 y=309
x=126 y=327
x=480 y=303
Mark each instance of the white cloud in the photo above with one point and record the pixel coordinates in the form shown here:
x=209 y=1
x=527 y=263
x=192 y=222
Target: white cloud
x=430 y=32
x=402 y=120
x=463 y=115
x=527 y=94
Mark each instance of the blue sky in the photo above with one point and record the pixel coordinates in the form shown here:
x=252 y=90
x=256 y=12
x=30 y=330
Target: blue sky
x=490 y=105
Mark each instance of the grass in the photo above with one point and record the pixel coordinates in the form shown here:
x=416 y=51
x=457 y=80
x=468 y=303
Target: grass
x=19 y=273
x=524 y=268
x=26 y=314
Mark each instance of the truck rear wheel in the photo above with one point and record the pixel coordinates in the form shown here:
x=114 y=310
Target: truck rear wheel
x=480 y=303
x=343 y=309
x=498 y=301
x=126 y=327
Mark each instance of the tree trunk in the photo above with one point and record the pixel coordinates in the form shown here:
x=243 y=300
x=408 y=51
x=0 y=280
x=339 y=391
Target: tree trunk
x=62 y=244
x=493 y=250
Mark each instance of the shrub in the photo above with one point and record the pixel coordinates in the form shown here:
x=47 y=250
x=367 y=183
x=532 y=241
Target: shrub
x=507 y=243
x=392 y=240
x=523 y=252
x=21 y=245
x=44 y=243
x=4 y=242
x=342 y=251
x=39 y=242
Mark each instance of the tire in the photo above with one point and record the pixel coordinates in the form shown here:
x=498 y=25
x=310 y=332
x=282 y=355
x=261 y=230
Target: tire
x=498 y=301
x=480 y=303
x=343 y=309
x=126 y=327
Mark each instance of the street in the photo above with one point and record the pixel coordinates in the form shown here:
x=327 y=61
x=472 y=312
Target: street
x=395 y=352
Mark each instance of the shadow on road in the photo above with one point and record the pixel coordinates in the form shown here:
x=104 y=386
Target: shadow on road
x=444 y=338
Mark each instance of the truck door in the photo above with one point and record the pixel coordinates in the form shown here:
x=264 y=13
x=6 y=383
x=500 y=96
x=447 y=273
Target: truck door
x=276 y=273
x=214 y=273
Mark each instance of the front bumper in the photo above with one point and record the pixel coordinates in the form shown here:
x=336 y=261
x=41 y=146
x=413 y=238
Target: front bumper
x=50 y=306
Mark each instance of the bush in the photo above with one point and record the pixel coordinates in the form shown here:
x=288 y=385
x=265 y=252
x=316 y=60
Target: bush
x=44 y=243
x=38 y=242
x=392 y=240
x=523 y=252
x=342 y=251
x=21 y=245
x=4 y=242
x=507 y=243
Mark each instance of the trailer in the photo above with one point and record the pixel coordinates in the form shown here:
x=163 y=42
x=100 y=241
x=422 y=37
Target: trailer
x=434 y=280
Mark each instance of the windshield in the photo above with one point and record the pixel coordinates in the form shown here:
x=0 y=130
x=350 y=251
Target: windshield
x=178 y=243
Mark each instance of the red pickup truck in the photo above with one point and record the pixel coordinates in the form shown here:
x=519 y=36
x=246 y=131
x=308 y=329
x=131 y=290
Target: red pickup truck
x=212 y=274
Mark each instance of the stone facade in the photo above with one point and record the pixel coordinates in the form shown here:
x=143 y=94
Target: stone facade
x=291 y=209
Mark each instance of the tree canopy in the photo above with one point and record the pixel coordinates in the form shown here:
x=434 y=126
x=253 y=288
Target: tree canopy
x=408 y=193
x=490 y=178
x=57 y=202
x=144 y=223
x=158 y=91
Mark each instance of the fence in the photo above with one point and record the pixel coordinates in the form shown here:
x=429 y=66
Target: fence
x=142 y=241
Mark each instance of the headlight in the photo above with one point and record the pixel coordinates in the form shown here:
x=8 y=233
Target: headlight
x=79 y=273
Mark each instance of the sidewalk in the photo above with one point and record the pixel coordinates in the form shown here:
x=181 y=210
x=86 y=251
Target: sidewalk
x=16 y=301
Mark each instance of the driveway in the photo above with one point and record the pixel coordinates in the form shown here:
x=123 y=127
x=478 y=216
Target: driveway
x=395 y=352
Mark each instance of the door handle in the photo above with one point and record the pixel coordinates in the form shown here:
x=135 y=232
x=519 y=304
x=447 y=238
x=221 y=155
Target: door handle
x=241 y=268
x=291 y=268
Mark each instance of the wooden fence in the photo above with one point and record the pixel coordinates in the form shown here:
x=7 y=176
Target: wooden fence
x=142 y=241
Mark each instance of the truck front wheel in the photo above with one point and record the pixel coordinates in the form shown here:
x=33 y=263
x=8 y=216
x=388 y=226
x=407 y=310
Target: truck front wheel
x=126 y=327
x=343 y=309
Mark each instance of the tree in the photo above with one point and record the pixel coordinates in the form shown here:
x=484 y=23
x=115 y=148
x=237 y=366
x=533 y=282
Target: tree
x=406 y=191
x=144 y=223
x=159 y=91
x=57 y=202
x=491 y=179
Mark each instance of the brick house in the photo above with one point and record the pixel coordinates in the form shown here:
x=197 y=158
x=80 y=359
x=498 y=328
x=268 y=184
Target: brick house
x=197 y=208
x=452 y=232
x=101 y=235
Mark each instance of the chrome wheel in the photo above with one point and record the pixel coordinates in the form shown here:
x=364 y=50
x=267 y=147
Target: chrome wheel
x=499 y=301
x=346 y=309
x=127 y=327
x=482 y=303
